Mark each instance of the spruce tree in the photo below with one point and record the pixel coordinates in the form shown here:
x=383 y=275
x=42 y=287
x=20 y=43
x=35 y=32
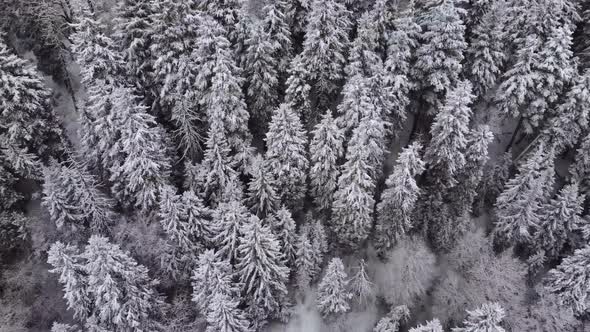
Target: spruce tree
x=286 y=155
x=261 y=271
x=283 y=227
x=487 y=318
x=305 y=259
x=276 y=21
x=262 y=190
x=570 y=281
x=357 y=102
x=212 y=276
x=394 y=212
x=392 y=322
x=225 y=315
x=332 y=297
x=363 y=59
x=229 y=218
x=439 y=57
x=518 y=208
x=362 y=289
x=298 y=90
x=325 y=150
x=430 y=326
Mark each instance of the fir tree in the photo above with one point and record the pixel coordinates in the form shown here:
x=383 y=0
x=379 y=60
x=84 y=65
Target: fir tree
x=394 y=212
x=439 y=57
x=431 y=326
x=286 y=155
x=363 y=59
x=518 y=207
x=298 y=91
x=276 y=20
x=106 y=287
x=363 y=290
x=325 y=151
x=211 y=277
x=226 y=12
x=357 y=102
x=305 y=258
x=261 y=271
x=283 y=226
x=570 y=281
x=393 y=320
x=559 y=218
x=225 y=316
x=487 y=318
x=229 y=218
x=332 y=297
x=262 y=190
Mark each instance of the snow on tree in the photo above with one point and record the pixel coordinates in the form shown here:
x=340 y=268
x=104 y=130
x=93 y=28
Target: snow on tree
x=357 y=102
x=319 y=240
x=325 y=150
x=105 y=287
x=494 y=180
x=283 y=227
x=225 y=316
x=487 y=318
x=487 y=54
x=518 y=208
x=431 y=326
x=261 y=72
x=363 y=59
x=445 y=152
x=559 y=218
x=352 y=209
x=286 y=155
x=393 y=320
x=276 y=21
x=27 y=119
x=229 y=218
x=56 y=327
x=361 y=287
x=73 y=198
x=212 y=276
x=298 y=90
x=226 y=12
x=394 y=212
x=141 y=167
x=261 y=271
x=333 y=297
x=299 y=16
x=439 y=56
x=570 y=281
x=570 y=120
x=325 y=46
x=187 y=222
x=305 y=258
x=262 y=190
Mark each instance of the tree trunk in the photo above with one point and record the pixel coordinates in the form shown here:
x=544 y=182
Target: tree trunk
x=513 y=138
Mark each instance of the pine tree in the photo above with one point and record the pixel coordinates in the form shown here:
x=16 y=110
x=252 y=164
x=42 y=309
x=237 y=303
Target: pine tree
x=105 y=287
x=393 y=320
x=431 y=326
x=559 y=218
x=211 y=277
x=305 y=258
x=394 y=212
x=283 y=226
x=363 y=59
x=261 y=73
x=276 y=20
x=325 y=46
x=439 y=57
x=325 y=150
x=332 y=296
x=487 y=318
x=262 y=190
x=570 y=281
x=187 y=222
x=226 y=12
x=225 y=316
x=141 y=167
x=298 y=91
x=487 y=54
x=352 y=208
x=27 y=119
x=518 y=208
x=363 y=290
x=229 y=218
x=73 y=198
x=570 y=120
x=261 y=271
x=357 y=103
x=286 y=155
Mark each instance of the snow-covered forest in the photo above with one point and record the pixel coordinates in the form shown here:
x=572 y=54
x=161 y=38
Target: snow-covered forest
x=294 y=165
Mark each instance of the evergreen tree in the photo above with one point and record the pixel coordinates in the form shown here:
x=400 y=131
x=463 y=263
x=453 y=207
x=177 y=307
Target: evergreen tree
x=393 y=320
x=225 y=316
x=261 y=271
x=211 y=277
x=580 y=168
x=332 y=297
x=286 y=155
x=487 y=318
x=26 y=117
x=518 y=207
x=229 y=218
x=439 y=57
x=276 y=21
x=394 y=212
x=357 y=103
x=73 y=198
x=325 y=151
x=431 y=326
x=262 y=190
x=363 y=59
x=325 y=46
x=363 y=290
x=283 y=226
x=187 y=222
x=56 y=327
x=105 y=287
x=559 y=218
x=226 y=12
x=570 y=281
x=298 y=91
x=141 y=167
x=305 y=258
